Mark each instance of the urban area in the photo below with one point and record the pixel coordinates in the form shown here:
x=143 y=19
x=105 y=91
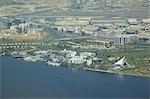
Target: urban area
x=96 y=35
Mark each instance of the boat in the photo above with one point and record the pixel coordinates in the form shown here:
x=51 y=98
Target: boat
x=17 y=56
x=53 y=63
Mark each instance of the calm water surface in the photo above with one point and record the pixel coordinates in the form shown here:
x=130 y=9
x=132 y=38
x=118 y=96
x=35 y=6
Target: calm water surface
x=21 y=79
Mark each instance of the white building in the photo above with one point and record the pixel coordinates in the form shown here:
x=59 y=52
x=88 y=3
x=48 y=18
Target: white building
x=76 y=60
x=69 y=53
x=132 y=22
x=125 y=39
x=146 y=21
x=121 y=63
x=87 y=54
x=89 y=62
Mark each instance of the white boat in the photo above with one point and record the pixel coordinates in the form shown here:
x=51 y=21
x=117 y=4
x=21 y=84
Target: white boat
x=53 y=63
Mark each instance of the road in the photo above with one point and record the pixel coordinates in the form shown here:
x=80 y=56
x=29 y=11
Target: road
x=134 y=13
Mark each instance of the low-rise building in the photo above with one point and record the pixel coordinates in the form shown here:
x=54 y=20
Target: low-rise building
x=88 y=54
x=21 y=28
x=89 y=62
x=76 y=60
x=132 y=21
x=146 y=21
x=69 y=53
x=71 y=23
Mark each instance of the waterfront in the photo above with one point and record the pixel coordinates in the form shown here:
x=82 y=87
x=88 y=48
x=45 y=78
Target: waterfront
x=21 y=79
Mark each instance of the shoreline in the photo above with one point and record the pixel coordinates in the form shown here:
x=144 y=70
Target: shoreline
x=89 y=69
x=113 y=72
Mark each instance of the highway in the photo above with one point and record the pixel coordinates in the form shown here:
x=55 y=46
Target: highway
x=124 y=13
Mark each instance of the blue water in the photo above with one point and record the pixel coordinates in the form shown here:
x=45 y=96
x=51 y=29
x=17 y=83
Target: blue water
x=21 y=79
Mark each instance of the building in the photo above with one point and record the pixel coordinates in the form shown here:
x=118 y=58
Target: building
x=147 y=29
x=12 y=21
x=2 y=25
x=89 y=62
x=72 y=23
x=76 y=60
x=146 y=21
x=132 y=22
x=125 y=39
x=21 y=28
x=103 y=28
x=87 y=54
x=69 y=53
x=8 y=23
x=121 y=63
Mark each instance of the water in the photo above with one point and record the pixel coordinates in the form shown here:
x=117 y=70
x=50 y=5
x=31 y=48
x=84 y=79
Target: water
x=21 y=79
